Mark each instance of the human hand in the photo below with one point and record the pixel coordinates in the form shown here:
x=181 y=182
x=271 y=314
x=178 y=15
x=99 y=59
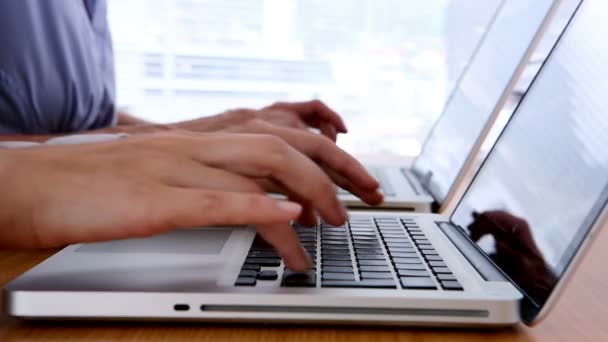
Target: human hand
x=145 y=185
x=299 y=115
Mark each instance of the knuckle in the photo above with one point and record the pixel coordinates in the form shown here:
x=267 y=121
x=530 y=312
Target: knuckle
x=242 y=115
x=317 y=103
x=275 y=152
x=274 y=145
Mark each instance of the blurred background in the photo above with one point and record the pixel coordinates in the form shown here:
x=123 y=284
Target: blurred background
x=387 y=66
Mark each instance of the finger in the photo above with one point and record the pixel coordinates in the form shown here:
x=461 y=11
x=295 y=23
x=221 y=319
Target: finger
x=328 y=130
x=189 y=207
x=162 y=208
x=326 y=153
x=283 y=117
x=314 y=110
x=285 y=241
x=308 y=216
x=191 y=174
x=370 y=197
x=271 y=157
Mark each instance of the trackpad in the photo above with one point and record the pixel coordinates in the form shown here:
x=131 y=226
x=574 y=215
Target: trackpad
x=209 y=241
x=181 y=260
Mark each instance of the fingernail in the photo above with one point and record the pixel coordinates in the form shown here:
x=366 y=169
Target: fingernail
x=290 y=207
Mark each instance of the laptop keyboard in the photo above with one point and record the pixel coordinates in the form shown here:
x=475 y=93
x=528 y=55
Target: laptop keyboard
x=367 y=252
x=385 y=185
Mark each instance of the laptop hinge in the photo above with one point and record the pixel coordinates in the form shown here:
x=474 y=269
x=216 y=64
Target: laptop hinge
x=471 y=252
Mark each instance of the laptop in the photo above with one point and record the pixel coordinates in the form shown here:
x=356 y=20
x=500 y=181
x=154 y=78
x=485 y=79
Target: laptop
x=469 y=113
x=501 y=258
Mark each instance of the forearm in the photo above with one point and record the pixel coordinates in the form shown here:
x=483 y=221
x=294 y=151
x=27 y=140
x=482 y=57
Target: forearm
x=126 y=119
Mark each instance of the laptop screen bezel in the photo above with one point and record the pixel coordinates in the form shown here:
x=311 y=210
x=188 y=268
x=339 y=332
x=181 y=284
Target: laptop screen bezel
x=530 y=311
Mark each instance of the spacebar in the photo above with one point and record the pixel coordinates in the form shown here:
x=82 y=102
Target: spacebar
x=369 y=283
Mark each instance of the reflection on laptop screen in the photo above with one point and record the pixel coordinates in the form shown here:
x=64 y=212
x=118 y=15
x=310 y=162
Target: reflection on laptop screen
x=474 y=99
x=544 y=183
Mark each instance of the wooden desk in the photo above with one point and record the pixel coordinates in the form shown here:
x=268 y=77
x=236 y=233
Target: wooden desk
x=581 y=315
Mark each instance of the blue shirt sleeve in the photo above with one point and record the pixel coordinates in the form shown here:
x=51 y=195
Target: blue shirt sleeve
x=56 y=67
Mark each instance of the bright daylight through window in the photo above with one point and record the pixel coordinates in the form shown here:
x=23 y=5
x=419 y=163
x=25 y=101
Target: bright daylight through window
x=382 y=64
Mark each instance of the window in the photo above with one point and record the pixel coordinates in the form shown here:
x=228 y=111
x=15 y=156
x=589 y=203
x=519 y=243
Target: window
x=382 y=64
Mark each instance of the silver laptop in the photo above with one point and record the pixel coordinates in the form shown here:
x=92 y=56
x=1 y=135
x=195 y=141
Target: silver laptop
x=501 y=258
x=469 y=113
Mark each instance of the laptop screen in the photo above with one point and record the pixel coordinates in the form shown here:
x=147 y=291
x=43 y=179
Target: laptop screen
x=478 y=92
x=543 y=185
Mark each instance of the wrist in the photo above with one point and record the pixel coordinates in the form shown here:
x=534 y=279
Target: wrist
x=135 y=129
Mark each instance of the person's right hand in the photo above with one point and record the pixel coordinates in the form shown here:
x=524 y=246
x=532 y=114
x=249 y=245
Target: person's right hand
x=145 y=185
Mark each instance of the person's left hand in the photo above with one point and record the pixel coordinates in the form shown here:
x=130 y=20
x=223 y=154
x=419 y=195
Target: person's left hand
x=300 y=115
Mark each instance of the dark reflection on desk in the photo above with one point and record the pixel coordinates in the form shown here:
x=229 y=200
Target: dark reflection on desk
x=515 y=251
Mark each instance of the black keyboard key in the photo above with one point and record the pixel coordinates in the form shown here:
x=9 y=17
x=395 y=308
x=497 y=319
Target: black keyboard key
x=411 y=267
x=407 y=265
x=402 y=249
x=245 y=281
x=334 y=242
x=418 y=283
x=376 y=275
x=368 y=249
x=405 y=260
x=365 y=268
x=335 y=252
x=413 y=273
x=337 y=269
x=337 y=276
x=373 y=263
x=364 y=238
x=248 y=273
x=386 y=219
x=399 y=244
x=371 y=257
x=267 y=275
x=446 y=276
x=308 y=239
x=396 y=239
x=336 y=263
x=404 y=255
x=335 y=257
x=266 y=262
x=368 y=246
x=334 y=247
x=254 y=267
x=262 y=254
x=426 y=247
x=451 y=285
x=437 y=264
x=441 y=270
x=369 y=283
x=294 y=279
x=389 y=236
x=362 y=228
